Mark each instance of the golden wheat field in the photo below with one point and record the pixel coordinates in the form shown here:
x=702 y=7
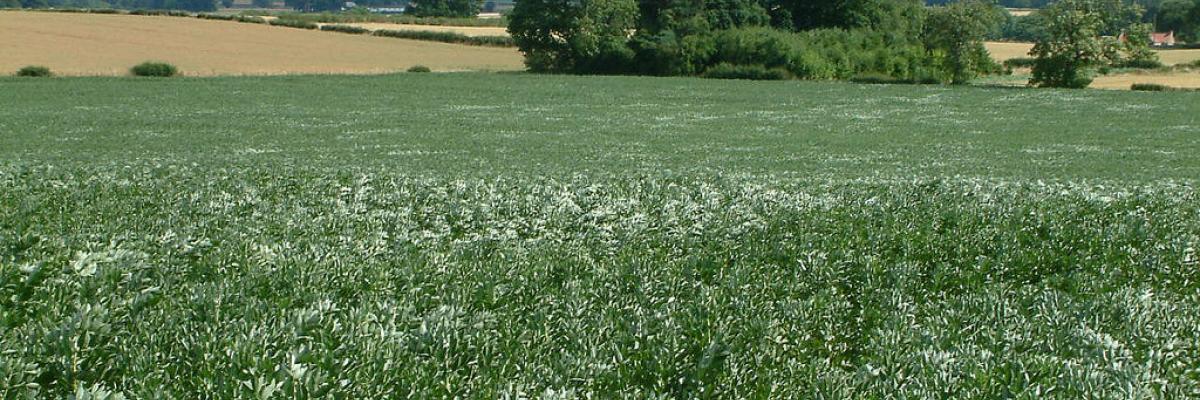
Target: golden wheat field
x=1178 y=79
x=1008 y=50
x=92 y=44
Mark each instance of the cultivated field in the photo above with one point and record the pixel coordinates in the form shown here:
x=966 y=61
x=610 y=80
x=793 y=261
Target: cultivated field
x=1007 y=50
x=493 y=236
x=1189 y=80
x=1181 y=79
x=91 y=44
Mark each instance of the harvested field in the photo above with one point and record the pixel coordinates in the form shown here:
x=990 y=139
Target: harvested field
x=1189 y=80
x=1007 y=50
x=1181 y=56
x=91 y=44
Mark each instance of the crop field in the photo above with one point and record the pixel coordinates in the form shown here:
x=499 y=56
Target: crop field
x=1176 y=79
x=93 y=44
x=1179 y=79
x=1008 y=50
x=521 y=236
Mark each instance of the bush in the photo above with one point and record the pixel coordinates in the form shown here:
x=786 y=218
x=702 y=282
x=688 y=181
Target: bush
x=876 y=78
x=1141 y=64
x=291 y=23
x=251 y=19
x=154 y=69
x=35 y=71
x=218 y=17
x=750 y=72
x=419 y=68
x=160 y=13
x=449 y=37
x=345 y=29
x=1020 y=62
x=1150 y=87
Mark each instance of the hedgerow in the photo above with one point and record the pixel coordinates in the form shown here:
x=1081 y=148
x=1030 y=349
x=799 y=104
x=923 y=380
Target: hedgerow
x=345 y=29
x=293 y=23
x=448 y=37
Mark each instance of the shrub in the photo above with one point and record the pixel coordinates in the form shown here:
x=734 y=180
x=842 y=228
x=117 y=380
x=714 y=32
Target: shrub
x=345 y=29
x=218 y=17
x=35 y=71
x=1020 y=62
x=419 y=68
x=105 y=11
x=876 y=78
x=154 y=69
x=1150 y=87
x=448 y=37
x=291 y=23
x=251 y=19
x=754 y=72
x=1141 y=64
x=160 y=13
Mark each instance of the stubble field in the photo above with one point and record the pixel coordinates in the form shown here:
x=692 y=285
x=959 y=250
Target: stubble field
x=96 y=44
x=515 y=236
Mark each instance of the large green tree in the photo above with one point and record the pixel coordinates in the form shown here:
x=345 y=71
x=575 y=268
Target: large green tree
x=574 y=36
x=1180 y=16
x=955 y=34
x=1072 y=48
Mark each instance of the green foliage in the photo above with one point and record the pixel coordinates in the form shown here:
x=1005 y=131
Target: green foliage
x=955 y=34
x=291 y=23
x=246 y=19
x=1020 y=62
x=161 y=13
x=508 y=236
x=1180 y=16
x=1149 y=87
x=1029 y=28
x=444 y=8
x=689 y=38
x=314 y=5
x=747 y=72
x=154 y=69
x=1072 y=49
x=883 y=78
x=218 y=17
x=568 y=36
x=345 y=29
x=419 y=69
x=1136 y=51
x=10 y=3
x=448 y=37
x=35 y=71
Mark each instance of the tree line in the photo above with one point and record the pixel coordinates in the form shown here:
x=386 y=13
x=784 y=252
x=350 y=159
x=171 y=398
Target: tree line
x=899 y=40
